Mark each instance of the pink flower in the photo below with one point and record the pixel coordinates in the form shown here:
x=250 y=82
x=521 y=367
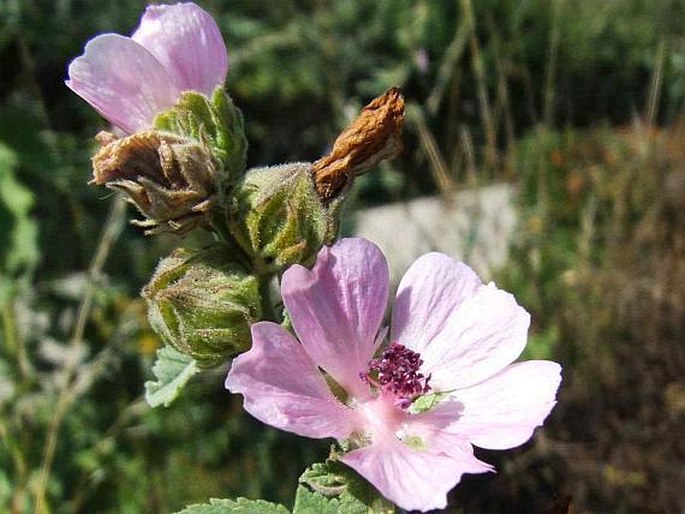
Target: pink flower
x=129 y=80
x=453 y=341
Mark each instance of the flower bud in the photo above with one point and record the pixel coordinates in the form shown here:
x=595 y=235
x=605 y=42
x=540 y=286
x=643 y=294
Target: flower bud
x=284 y=214
x=172 y=180
x=279 y=218
x=214 y=121
x=202 y=304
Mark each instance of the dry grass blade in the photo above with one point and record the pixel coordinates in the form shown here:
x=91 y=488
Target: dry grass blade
x=438 y=166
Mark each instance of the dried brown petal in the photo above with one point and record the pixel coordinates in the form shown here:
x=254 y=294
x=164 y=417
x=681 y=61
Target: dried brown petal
x=170 y=179
x=104 y=138
x=375 y=135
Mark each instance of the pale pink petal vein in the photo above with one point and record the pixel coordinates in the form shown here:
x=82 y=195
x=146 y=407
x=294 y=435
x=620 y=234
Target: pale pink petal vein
x=129 y=81
x=122 y=81
x=188 y=43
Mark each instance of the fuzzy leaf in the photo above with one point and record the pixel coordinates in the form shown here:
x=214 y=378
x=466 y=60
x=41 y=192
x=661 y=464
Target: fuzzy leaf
x=239 y=506
x=332 y=487
x=172 y=369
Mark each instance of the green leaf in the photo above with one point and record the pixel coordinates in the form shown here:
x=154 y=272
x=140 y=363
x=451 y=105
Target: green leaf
x=239 y=506
x=331 y=488
x=172 y=369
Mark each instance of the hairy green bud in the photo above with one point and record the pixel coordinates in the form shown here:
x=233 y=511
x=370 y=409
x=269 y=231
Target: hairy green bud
x=279 y=218
x=283 y=215
x=215 y=122
x=202 y=304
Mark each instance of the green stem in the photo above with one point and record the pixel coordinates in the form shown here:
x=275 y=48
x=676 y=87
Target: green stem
x=269 y=311
x=220 y=225
x=20 y=478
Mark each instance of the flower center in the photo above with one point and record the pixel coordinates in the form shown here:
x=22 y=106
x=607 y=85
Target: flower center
x=396 y=372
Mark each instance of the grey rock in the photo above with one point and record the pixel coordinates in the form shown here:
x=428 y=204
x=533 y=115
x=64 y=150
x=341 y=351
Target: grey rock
x=475 y=226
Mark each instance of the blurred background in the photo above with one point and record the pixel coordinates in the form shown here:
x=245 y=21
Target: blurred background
x=544 y=143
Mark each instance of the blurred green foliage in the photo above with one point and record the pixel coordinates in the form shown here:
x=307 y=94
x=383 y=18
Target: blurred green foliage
x=500 y=89
x=600 y=261
x=18 y=230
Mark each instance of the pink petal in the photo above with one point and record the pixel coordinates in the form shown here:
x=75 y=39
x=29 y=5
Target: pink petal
x=122 y=81
x=337 y=308
x=412 y=479
x=503 y=411
x=430 y=292
x=432 y=429
x=188 y=43
x=486 y=333
x=283 y=388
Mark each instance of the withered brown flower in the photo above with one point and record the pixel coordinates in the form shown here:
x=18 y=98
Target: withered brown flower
x=172 y=180
x=374 y=136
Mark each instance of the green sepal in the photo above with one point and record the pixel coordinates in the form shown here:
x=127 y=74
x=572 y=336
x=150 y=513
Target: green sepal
x=172 y=369
x=331 y=487
x=214 y=121
x=237 y=506
x=202 y=304
x=278 y=217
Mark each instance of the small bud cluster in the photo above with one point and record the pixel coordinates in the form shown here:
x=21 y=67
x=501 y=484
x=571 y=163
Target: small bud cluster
x=188 y=171
x=179 y=156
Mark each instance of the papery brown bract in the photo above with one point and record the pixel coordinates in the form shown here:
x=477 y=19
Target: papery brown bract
x=172 y=180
